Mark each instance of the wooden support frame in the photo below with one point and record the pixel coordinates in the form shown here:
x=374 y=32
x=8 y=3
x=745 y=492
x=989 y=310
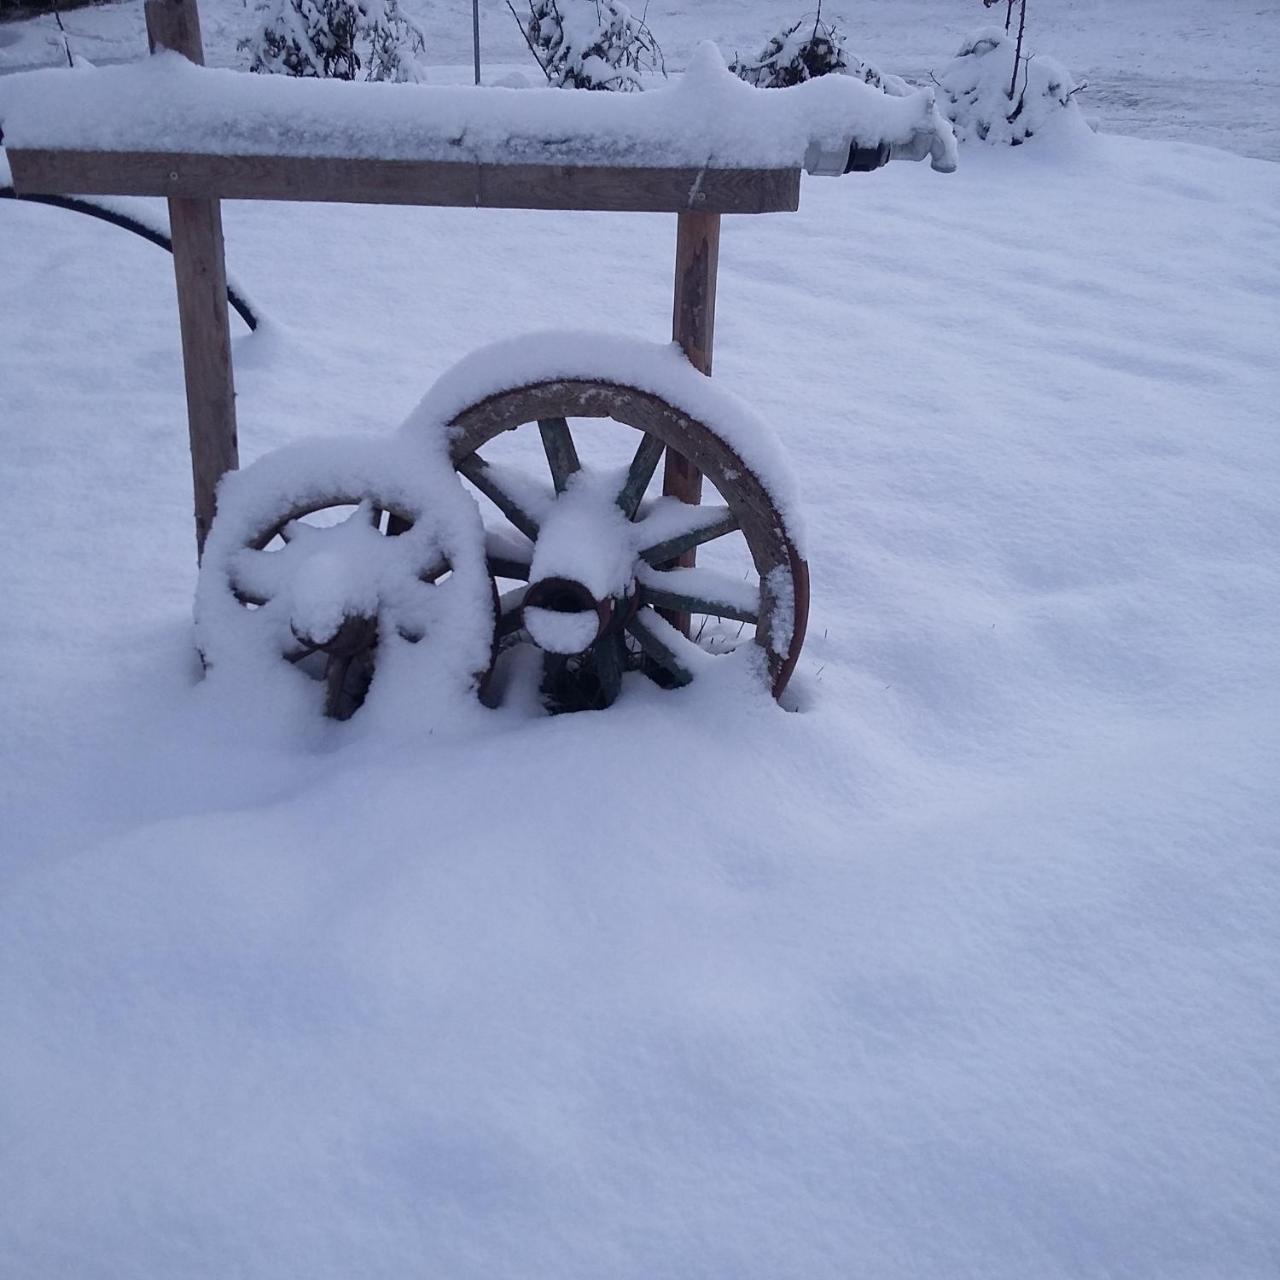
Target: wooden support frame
x=693 y=325
x=199 y=267
x=195 y=183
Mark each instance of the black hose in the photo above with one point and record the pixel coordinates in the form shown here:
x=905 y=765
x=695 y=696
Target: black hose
x=80 y=205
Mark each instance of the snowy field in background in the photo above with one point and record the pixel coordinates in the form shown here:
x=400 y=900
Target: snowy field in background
x=967 y=969
x=1177 y=69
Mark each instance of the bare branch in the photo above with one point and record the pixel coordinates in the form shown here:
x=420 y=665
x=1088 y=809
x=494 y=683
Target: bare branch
x=524 y=32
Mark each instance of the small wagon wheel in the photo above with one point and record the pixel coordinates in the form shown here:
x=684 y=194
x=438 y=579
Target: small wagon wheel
x=342 y=658
x=324 y=579
x=593 y=626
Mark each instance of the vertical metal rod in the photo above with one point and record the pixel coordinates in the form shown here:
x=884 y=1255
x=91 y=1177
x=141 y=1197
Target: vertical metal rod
x=475 y=35
x=693 y=323
x=200 y=273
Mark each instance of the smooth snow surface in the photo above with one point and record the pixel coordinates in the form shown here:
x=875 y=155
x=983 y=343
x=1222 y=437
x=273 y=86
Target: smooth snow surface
x=966 y=969
x=706 y=117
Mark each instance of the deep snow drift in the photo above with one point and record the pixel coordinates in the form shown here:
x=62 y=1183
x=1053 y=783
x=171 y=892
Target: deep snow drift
x=966 y=968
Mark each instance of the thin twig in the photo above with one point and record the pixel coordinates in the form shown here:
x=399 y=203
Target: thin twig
x=66 y=44
x=524 y=32
x=1017 y=53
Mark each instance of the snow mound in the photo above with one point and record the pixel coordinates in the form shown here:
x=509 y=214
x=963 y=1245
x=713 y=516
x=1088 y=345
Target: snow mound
x=986 y=102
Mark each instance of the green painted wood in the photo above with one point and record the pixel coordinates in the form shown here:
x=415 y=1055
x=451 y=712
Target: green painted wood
x=562 y=454
x=658 y=649
x=639 y=473
x=477 y=470
x=510 y=618
x=679 y=602
x=609 y=656
x=673 y=548
x=504 y=567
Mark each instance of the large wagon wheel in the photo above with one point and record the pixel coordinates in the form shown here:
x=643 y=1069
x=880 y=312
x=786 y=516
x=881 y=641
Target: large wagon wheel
x=606 y=587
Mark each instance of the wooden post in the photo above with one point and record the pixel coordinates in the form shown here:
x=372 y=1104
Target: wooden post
x=200 y=272
x=693 y=324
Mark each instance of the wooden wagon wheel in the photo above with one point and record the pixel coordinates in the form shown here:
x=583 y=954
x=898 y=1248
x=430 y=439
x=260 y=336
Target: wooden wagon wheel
x=342 y=651
x=589 y=636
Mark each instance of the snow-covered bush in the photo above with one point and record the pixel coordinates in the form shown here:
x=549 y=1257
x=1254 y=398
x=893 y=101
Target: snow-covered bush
x=805 y=50
x=991 y=95
x=338 y=39
x=591 y=44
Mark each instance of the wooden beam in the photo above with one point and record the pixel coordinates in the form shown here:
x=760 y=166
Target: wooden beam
x=199 y=266
x=175 y=24
x=414 y=182
x=693 y=324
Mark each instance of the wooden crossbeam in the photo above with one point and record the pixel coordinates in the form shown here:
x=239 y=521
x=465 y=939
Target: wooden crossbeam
x=197 y=176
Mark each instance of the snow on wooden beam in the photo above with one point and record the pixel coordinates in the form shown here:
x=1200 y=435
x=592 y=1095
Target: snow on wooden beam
x=280 y=137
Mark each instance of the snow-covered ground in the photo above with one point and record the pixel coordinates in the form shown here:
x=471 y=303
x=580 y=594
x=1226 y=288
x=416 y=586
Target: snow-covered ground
x=968 y=968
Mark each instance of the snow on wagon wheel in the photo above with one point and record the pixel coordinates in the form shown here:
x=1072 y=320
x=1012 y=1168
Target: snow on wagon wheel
x=605 y=588
x=330 y=555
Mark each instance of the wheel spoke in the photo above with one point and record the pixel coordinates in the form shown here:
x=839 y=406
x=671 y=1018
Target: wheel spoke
x=587 y=681
x=510 y=605
x=658 y=638
x=686 y=591
x=338 y=701
x=639 y=473
x=609 y=655
x=480 y=473
x=562 y=454
x=500 y=567
x=434 y=572
x=507 y=555
x=718 y=522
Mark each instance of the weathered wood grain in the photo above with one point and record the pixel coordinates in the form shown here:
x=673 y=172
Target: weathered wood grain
x=414 y=182
x=751 y=509
x=693 y=324
x=562 y=455
x=195 y=227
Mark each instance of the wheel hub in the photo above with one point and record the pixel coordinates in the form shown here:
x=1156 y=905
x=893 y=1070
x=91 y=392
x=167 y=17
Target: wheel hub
x=562 y=616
